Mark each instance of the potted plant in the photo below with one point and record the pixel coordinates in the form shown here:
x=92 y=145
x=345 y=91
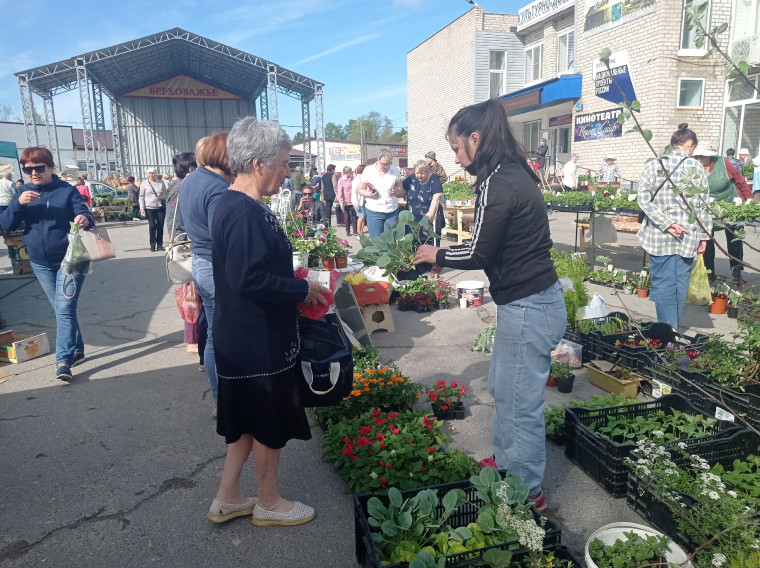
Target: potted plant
x=631 y=544
x=447 y=400
x=644 y=282
x=631 y=284
x=327 y=246
x=563 y=375
x=556 y=371
x=341 y=254
x=719 y=298
x=732 y=309
x=613 y=378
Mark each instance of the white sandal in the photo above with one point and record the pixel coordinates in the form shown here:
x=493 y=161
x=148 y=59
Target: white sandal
x=298 y=515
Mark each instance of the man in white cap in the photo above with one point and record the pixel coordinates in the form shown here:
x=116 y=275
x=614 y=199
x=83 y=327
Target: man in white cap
x=725 y=183
x=436 y=168
x=153 y=206
x=744 y=156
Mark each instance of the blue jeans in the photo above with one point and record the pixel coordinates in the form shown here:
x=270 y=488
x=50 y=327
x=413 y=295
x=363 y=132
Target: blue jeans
x=203 y=276
x=670 y=285
x=377 y=222
x=68 y=338
x=526 y=332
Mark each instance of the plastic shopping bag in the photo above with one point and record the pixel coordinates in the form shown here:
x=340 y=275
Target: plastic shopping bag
x=188 y=302
x=597 y=308
x=699 y=286
x=77 y=260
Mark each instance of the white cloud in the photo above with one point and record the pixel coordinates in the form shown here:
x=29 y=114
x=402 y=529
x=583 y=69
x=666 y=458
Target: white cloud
x=356 y=41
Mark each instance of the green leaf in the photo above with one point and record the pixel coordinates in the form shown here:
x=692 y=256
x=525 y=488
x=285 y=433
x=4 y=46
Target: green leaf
x=384 y=261
x=743 y=67
x=636 y=105
x=647 y=134
x=389 y=528
x=404 y=521
x=394 y=496
x=497 y=558
x=622 y=118
x=721 y=28
x=463 y=533
x=375 y=508
x=605 y=55
x=405 y=217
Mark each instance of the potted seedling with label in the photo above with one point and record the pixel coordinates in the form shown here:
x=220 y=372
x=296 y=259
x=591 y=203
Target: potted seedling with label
x=732 y=309
x=644 y=282
x=719 y=298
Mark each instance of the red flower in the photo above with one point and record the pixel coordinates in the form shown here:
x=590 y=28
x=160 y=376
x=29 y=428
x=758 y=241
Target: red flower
x=379 y=421
x=444 y=407
x=410 y=441
x=383 y=480
x=454 y=384
x=463 y=389
x=429 y=426
x=347 y=440
x=381 y=463
x=363 y=441
x=376 y=412
x=349 y=450
x=356 y=458
x=388 y=465
x=365 y=430
x=440 y=384
x=382 y=446
x=433 y=396
x=324 y=232
x=423 y=469
x=381 y=436
x=431 y=449
x=394 y=430
x=392 y=415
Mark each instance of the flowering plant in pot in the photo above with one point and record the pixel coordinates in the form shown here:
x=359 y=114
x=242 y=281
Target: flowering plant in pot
x=447 y=399
x=420 y=302
x=644 y=282
x=732 y=309
x=719 y=298
x=341 y=253
x=327 y=246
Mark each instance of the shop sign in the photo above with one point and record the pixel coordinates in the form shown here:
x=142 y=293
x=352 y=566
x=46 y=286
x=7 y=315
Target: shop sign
x=607 y=14
x=398 y=151
x=522 y=101
x=619 y=70
x=598 y=125
x=344 y=150
x=181 y=87
x=560 y=120
x=540 y=10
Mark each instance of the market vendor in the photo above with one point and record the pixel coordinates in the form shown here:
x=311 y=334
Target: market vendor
x=609 y=172
x=314 y=210
x=726 y=183
x=424 y=192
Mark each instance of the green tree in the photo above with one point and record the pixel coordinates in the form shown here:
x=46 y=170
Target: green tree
x=298 y=138
x=335 y=131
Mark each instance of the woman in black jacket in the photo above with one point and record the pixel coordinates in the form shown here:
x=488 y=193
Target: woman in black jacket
x=511 y=242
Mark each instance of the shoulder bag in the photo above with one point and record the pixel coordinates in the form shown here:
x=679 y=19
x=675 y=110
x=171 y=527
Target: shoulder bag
x=325 y=361
x=179 y=256
x=98 y=243
x=643 y=215
x=161 y=200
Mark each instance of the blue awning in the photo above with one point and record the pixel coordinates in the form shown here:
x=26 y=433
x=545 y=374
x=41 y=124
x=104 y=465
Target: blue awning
x=561 y=88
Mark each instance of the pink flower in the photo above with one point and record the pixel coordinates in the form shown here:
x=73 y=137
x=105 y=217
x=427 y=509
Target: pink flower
x=343 y=241
x=454 y=384
x=322 y=239
x=441 y=384
x=392 y=415
x=394 y=430
x=376 y=412
x=365 y=430
x=325 y=232
x=379 y=421
x=381 y=436
x=433 y=396
x=299 y=233
x=363 y=441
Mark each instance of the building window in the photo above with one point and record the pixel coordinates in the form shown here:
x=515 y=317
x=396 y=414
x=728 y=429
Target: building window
x=690 y=93
x=746 y=19
x=563 y=141
x=566 y=52
x=498 y=73
x=533 y=62
x=531 y=135
x=689 y=34
x=82 y=165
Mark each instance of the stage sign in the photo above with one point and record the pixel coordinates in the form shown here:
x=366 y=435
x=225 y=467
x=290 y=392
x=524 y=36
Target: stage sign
x=181 y=87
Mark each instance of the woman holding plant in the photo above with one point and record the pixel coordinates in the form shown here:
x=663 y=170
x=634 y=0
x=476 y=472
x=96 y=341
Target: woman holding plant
x=667 y=234
x=511 y=242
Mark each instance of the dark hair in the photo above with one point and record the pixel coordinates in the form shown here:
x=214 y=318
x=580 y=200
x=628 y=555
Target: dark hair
x=683 y=135
x=730 y=152
x=331 y=168
x=182 y=164
x=497 y=143
x=215 y=152
x=20 y=181
x=37 y=154
x=80 y=180
x=131 y=179
x=360 y=169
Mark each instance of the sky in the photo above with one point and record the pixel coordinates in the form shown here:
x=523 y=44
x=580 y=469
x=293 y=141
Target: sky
x=345 y=44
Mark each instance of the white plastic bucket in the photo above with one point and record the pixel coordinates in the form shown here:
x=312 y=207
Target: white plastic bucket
x=608 y=534
x=472 y=291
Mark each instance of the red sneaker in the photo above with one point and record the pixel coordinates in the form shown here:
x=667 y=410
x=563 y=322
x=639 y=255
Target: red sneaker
x=538 y=502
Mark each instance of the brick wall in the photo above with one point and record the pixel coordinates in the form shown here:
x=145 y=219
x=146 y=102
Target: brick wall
x=652 y=42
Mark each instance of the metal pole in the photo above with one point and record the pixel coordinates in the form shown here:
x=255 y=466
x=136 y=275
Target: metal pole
x=264 y=105
x=320 y=120
x=306 y=131
x=27 y=107
x=84 y=102
x=52 y=129
x=116 y=135
x=272 y=92
x=101 y=149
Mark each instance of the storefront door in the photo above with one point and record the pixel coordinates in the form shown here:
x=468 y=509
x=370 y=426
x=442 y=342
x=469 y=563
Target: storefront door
x=561 y=140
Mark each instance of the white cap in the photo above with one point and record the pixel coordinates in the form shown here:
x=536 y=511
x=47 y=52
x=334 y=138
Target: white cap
x=151 y=170
x=704 y=151
x=743 y=151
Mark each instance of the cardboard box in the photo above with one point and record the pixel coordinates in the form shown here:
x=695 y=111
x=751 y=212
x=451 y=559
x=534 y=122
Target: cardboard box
x=17 y=348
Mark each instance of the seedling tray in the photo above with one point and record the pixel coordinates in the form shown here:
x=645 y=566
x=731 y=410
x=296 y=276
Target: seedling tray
x=660 y=380
x=366 y=551
x=723 y=449
x=604 y=346
x=602 y=458
x=573 y=333
x=736 y=401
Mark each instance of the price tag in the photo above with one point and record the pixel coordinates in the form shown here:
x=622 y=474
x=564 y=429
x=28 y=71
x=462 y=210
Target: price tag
x=659 y=389
x=721 y=414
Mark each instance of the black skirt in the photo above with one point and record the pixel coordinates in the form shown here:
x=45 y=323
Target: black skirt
x=267 y=407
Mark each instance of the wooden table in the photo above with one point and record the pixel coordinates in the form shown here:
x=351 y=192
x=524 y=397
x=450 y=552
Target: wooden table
x=459 y=211
x=620 y=226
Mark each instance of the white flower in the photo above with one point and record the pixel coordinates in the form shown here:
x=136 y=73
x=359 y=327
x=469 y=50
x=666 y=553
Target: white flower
x=733 y=494
x=681 y=445
x=430 y=457
x=719 y=559
x=373 y=475
x=713 y=495
x=658 y=433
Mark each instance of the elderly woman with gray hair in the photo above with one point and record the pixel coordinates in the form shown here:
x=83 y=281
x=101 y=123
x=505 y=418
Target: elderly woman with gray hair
x=381 y=185
x=259 y=406
x=423 y=195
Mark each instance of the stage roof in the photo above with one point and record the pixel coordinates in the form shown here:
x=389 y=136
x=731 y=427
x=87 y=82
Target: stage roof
x=128 y=66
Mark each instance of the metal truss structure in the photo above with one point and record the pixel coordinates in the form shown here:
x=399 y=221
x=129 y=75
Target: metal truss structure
x=319 y=119
x=134 y=64
x=306 y=129
x=52 y=130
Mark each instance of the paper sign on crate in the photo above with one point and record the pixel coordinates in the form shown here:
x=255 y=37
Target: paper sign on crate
x=17 y=348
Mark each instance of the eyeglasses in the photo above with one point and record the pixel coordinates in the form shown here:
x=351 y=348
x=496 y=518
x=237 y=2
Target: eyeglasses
x=384 y=164
x=307 y=193
x=38 y=169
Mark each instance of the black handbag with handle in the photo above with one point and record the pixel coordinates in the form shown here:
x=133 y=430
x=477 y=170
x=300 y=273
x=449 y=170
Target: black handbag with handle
x=325 y=362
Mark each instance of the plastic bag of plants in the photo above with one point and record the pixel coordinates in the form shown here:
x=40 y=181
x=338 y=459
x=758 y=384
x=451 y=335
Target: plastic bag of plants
x=77 y=260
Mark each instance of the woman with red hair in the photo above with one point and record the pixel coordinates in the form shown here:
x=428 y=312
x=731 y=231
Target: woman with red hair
x=47 y=205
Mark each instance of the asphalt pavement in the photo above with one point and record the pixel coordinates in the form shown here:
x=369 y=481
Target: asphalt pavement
x=119 y=467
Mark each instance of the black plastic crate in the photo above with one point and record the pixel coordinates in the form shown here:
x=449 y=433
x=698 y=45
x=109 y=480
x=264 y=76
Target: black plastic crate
x=605 y=348
x=366 y=551
x=604 y=459
x=573 y=333
x=652 y=370
x=736 y=401
x=723 y=449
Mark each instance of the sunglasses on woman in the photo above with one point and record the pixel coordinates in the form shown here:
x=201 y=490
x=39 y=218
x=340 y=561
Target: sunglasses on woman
x=38 y=169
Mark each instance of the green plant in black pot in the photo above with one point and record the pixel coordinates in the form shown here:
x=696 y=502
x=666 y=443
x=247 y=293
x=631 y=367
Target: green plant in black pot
x=564 y=376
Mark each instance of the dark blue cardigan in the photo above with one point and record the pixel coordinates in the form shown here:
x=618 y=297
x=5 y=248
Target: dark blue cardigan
x=47 y=220
x=255 y=317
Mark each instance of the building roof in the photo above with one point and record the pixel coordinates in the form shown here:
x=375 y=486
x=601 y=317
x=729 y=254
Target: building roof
x=130 y=65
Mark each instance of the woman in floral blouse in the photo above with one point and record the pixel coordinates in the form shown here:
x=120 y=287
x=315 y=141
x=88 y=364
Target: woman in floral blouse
x=609 y=171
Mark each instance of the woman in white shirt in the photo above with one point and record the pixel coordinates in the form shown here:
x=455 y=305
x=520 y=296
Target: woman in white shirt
x=381 y=186
x=570 y=174
x=357 y=199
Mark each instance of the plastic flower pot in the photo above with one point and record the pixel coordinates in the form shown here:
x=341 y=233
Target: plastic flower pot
x=455 y=412
x=608 y=534
x=565 y=384
x=328 y=263
x=551 y=382
x=718 y=305
x=643 y=293
x=732 y=311
x=341 y=262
